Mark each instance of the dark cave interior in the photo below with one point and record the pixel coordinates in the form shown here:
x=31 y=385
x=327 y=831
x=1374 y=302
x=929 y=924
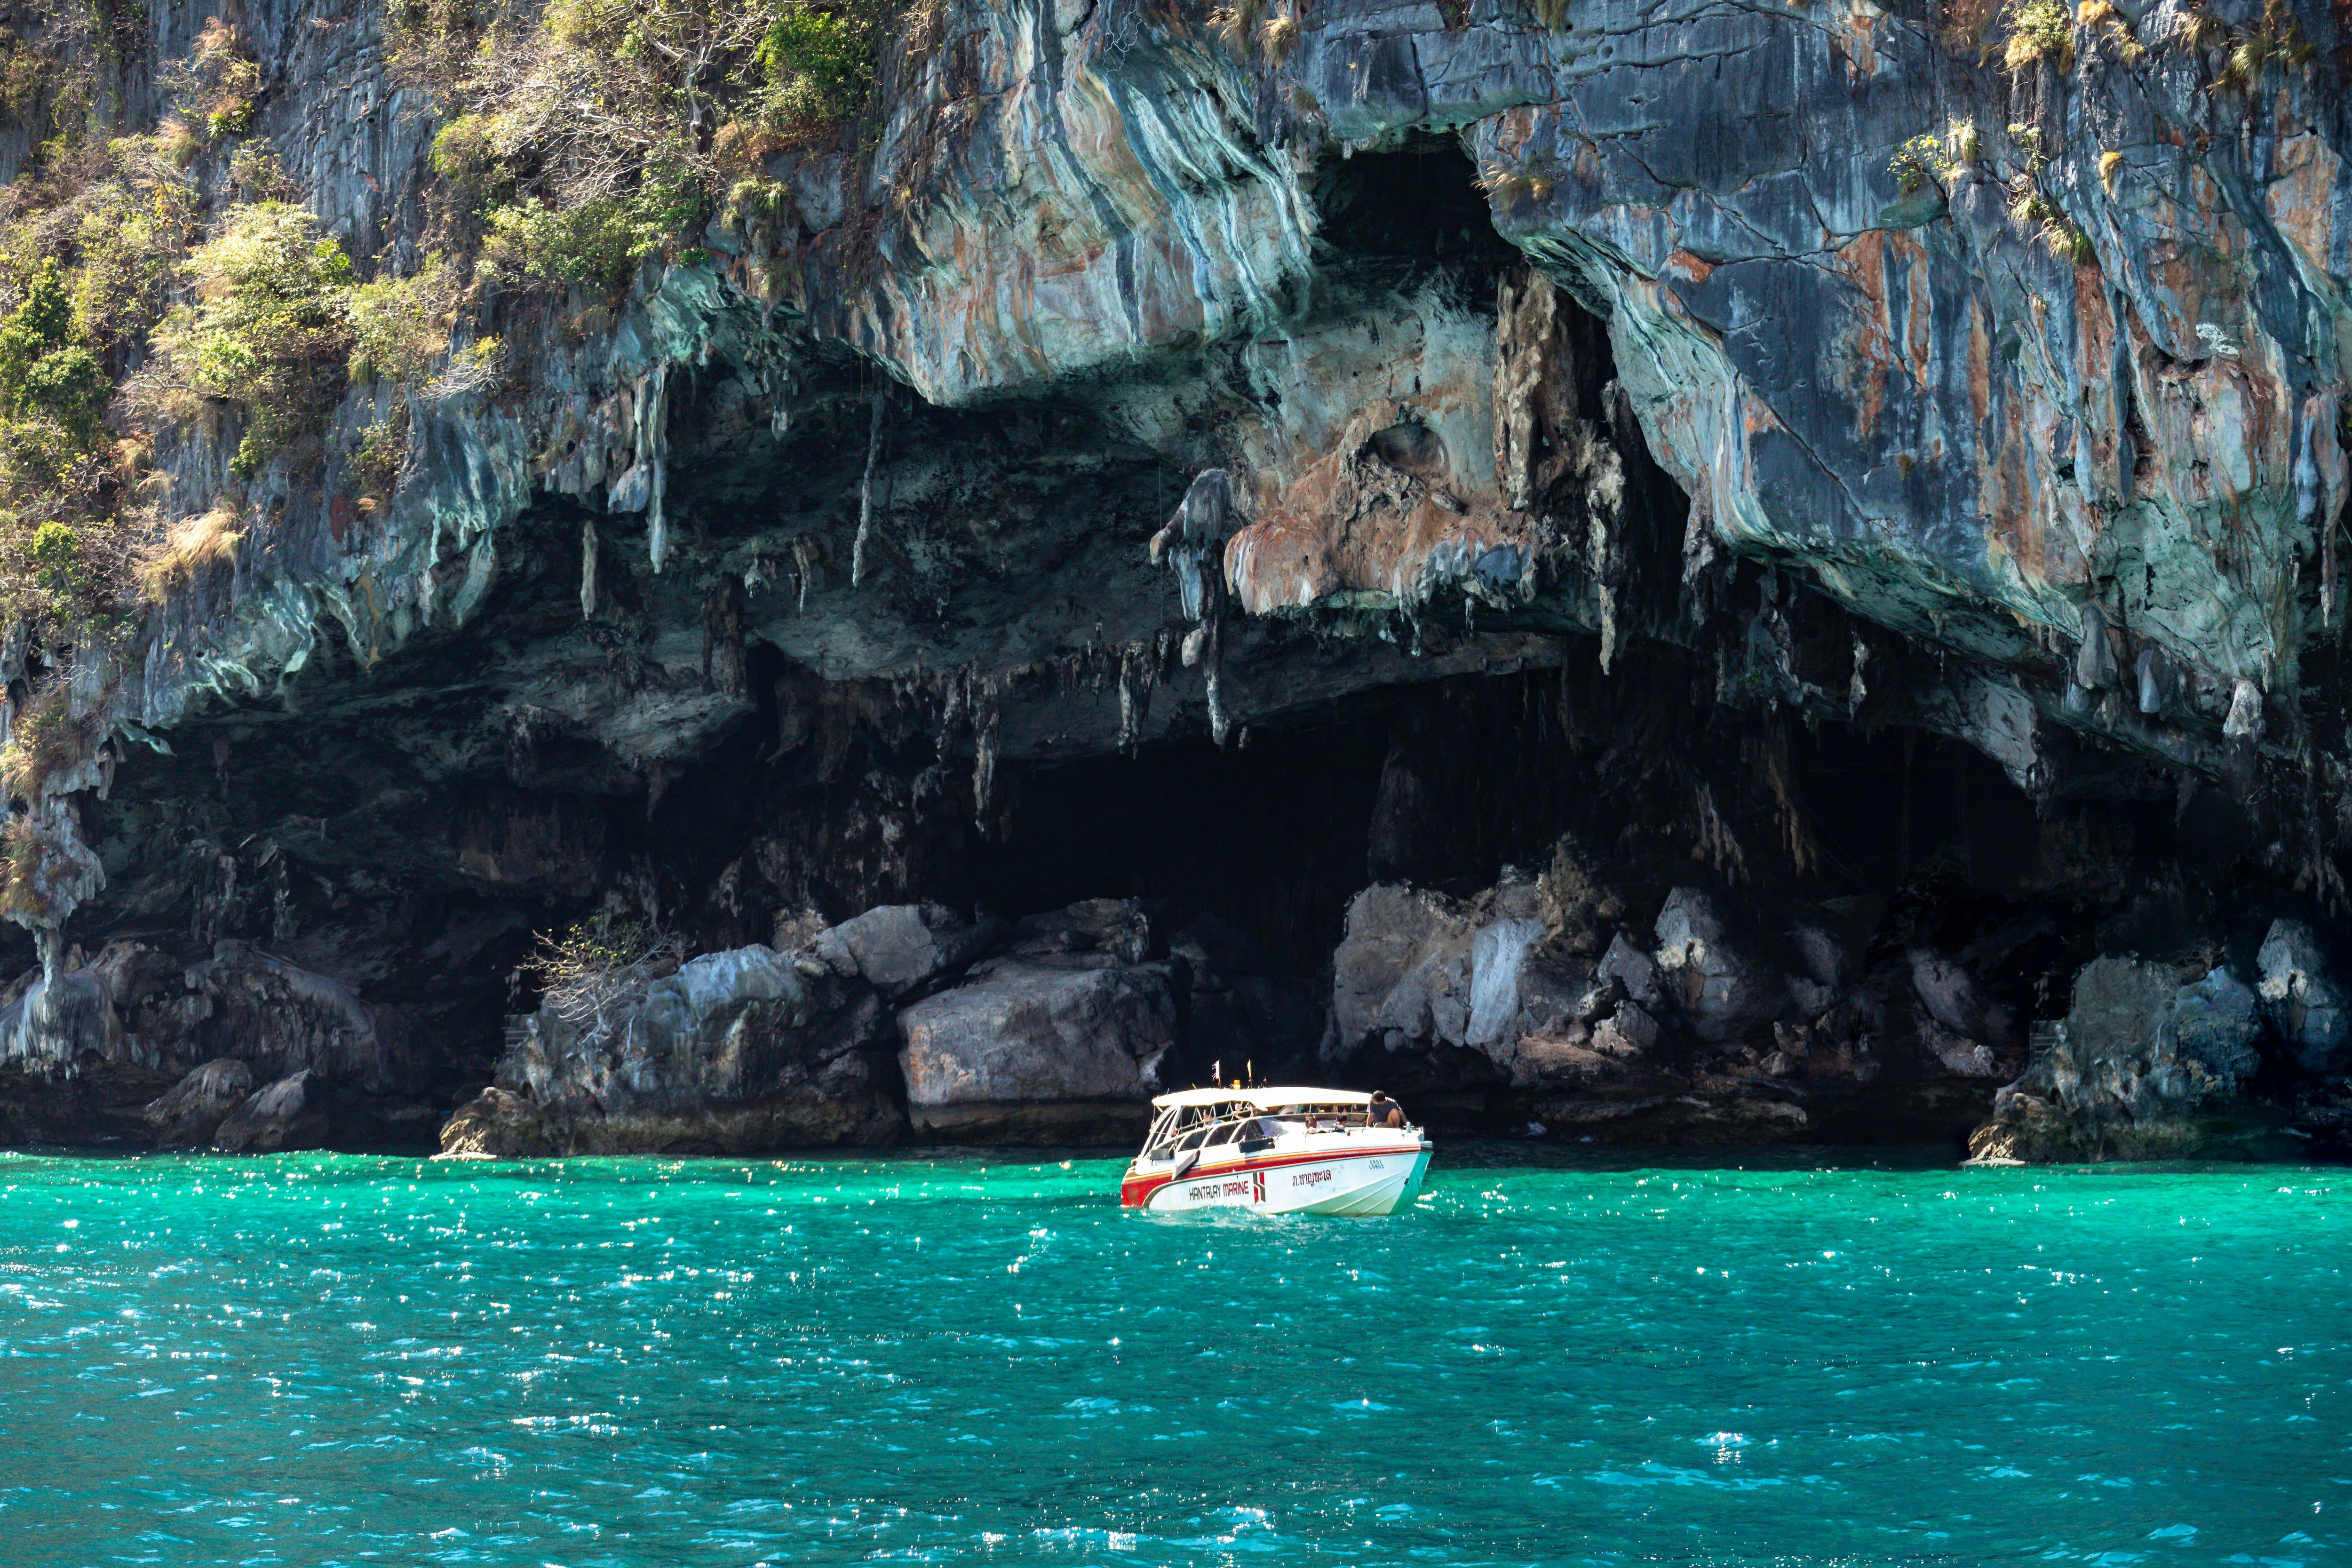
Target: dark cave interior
x=327 y=844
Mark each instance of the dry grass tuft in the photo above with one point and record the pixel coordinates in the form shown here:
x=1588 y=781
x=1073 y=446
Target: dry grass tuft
x=2039 y=30
x=1277 y=36
x=188 y=548
x=42 y=741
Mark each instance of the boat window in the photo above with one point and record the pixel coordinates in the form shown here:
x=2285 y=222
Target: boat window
x=1193 y=1140
x=1228 y=1132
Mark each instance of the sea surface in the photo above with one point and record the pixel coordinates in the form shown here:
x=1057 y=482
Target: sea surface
x=333 y=1359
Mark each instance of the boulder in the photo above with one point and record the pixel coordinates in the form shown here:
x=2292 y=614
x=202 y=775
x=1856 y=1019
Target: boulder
x=1021 y=1052
x=1950 y=995
x=1447 y=989
x=2142 y=1067
x=1634 y=970
x=281 y=1018
x=2305 y=1002
x=1625 y=1033
x=1498 y=953
x=733 y=1052
x=898 y=949
x=1093 y=933
x=1823 y=953
x=1722 y=990
x=2216 y=1022
x=190 y=1113
x=1400 y=973
x=290 y=1113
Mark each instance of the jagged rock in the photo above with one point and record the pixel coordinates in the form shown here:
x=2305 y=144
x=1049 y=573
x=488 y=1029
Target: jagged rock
x=1027 y=1054
x=499 y=1123
x=162 y=1006
x=1448 y=989
x=281 y=1017
x=2305 y=1002
x=1499 y=953
x=58 y=1020
x=290 y=1113
x=1636 y=971
x=1957 y=1053
x=735 y=1051
x=900 y=948
x=1950 y=995
x=1721 y=990
x=2115 y=1081
x=1093 y=933
x=1397 y=968
x=1823 y=954
x=2217 y=1021
x=1627 y=1032
x=190 y=1114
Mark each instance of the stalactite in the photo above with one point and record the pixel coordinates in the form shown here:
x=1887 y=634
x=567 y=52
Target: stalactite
x=1604 y=590
x=1192 y=543
x=985 y=717
x=1139 y=672
x=2245 y=719
x=652 y=442
x=2094 y=662
x=865 y=485
x=588 y=569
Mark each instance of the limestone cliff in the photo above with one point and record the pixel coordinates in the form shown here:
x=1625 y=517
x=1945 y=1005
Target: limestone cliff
x=1873 y=473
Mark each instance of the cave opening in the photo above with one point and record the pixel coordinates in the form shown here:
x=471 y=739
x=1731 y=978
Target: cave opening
x=1454 y=783
x=1393 y=216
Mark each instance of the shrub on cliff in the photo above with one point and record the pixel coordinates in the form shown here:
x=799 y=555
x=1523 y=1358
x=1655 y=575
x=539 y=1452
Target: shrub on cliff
x=585 y=973
x=267 y=333
x=590 y=135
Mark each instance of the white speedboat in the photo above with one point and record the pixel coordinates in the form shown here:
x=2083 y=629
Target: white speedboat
x=1274 y=1151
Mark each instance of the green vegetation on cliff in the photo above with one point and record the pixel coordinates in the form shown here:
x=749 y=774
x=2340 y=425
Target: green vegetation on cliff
x=587 y=137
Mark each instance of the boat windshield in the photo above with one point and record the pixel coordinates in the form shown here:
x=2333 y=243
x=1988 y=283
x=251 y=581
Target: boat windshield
x=1182 y=1128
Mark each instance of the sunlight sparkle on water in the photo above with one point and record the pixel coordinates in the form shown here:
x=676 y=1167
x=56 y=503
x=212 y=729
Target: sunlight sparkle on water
x=328 y=1359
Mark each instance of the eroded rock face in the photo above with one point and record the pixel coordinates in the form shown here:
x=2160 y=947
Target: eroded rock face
x=734 y=1051
x=2031 y=436
x=2306 y=1006
x=1721 y=988
x=901 y=948
x=2144 y=1067
x=286 y=1115
x=193 y=1111
x=1023 y=1053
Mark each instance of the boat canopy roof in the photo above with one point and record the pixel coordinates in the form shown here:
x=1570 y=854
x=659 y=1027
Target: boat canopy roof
x=1261 y=1099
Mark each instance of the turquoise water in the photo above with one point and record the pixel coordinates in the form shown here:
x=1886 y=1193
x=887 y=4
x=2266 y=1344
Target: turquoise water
x=322 y=1359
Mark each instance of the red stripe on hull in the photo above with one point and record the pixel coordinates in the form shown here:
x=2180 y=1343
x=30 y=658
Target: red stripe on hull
x=1135 y=1191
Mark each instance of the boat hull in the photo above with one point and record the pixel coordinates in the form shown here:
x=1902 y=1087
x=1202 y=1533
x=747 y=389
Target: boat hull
x=1357 y=1182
